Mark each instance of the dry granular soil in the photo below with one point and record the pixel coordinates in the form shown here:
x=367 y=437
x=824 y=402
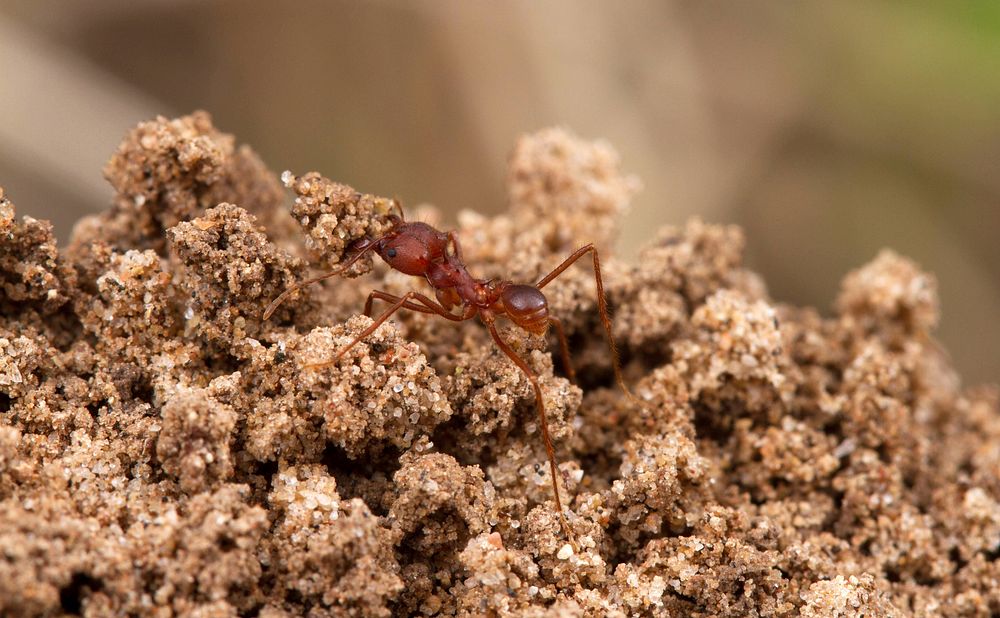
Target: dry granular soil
x=166 y=452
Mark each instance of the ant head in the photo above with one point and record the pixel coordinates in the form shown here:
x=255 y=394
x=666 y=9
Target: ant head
x=404 y=252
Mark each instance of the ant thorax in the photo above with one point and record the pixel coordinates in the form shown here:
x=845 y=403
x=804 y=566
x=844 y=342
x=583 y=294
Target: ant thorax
x=489 y=291
x=450 y=273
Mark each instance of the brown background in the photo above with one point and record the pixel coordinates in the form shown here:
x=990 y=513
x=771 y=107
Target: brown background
x=827 y=130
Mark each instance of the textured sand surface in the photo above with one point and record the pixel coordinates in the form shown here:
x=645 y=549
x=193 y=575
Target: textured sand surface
x=164 y=451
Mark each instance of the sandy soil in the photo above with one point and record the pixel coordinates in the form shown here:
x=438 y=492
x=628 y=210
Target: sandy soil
x=164 y=451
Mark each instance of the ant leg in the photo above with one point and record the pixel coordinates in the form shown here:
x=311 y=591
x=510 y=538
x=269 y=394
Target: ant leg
x=378 y=294
x=399 y=302
x=427 y=305
x=271 y=308
x=396 y=306
x=602 y=306
x=564 y=349
x=549 y=449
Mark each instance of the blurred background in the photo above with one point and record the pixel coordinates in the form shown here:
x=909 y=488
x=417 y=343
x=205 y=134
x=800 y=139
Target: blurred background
x=826 y=129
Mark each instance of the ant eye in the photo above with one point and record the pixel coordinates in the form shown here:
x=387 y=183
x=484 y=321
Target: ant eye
x=391 y=253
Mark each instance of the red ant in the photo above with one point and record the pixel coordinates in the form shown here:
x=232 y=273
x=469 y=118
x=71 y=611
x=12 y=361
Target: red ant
x=420 y=250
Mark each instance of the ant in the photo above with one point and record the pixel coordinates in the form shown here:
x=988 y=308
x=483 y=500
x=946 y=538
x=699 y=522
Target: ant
x=420 y=250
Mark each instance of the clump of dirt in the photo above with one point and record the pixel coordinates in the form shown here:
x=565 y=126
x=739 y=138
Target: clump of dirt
x=333 y=216
x=166 y=451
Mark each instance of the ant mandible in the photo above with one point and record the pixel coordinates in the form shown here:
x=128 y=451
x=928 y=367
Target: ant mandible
x=420 y=250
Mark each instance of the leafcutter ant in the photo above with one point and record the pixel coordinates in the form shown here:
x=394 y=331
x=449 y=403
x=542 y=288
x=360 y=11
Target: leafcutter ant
x=420 y=250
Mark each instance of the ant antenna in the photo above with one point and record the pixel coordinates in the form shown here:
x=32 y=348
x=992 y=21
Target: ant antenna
x=301 y=284
x=399 y=207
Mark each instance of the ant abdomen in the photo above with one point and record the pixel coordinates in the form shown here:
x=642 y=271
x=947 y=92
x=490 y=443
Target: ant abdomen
x=527 y=307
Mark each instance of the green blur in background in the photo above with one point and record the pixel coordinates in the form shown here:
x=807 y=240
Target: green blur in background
x=828 y=130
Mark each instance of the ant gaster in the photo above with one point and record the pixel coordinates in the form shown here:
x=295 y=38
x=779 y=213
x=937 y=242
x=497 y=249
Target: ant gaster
x=420 y=250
